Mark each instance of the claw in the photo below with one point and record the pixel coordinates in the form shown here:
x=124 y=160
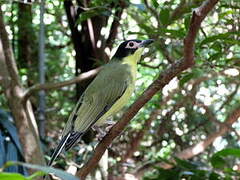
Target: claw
x=102 y=131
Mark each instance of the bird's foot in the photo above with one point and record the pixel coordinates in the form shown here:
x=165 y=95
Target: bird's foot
x=103 y=130
x=100 y=132
x=110 y=124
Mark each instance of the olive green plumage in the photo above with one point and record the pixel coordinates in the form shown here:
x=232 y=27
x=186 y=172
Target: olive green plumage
x=106 y=94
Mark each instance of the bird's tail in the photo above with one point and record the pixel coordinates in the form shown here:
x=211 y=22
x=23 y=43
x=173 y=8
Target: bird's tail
x=59 y=148
x=66 y=142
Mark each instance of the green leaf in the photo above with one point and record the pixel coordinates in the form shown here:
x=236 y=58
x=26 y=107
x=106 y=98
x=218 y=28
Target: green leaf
x=217 y=46
x=229 y=152
x=187 y=77
x=223 y=36
x=145 y=27
x=217 y=159
x=11 y=176
x=86 y=15
x=101 y=10
x=164 y=174
x=214 y=38
x=215 y=56
x=164 y=16
x=46 y=169
x=155 y=3
x=217 y=162
x=185 y=164
x=187 y=20
x=214 y=176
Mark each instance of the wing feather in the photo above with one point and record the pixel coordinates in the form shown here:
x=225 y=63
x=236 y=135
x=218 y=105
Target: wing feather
x=101 y=95
x=100 y=105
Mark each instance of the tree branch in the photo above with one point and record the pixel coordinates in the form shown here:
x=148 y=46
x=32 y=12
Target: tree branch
x=49 y=86
x=176 y=68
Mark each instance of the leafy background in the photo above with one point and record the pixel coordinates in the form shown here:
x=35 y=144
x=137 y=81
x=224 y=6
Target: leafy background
x=194 y=107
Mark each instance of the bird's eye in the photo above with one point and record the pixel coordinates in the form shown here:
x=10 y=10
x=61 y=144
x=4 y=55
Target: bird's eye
x=131 y=44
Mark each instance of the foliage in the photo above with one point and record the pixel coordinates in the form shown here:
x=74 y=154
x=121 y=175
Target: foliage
x=219 y=169
x=42 y=171
x=192 y=108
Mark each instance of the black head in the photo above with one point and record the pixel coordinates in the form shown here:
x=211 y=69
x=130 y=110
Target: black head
x=129 y=47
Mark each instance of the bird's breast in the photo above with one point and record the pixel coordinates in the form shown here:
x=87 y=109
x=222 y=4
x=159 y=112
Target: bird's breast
x=124 y=99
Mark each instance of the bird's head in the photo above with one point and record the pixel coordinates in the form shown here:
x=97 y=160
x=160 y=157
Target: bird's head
x=132 y=49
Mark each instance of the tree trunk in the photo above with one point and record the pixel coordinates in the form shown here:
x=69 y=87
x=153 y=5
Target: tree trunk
x=26 y=56
x=22 y=113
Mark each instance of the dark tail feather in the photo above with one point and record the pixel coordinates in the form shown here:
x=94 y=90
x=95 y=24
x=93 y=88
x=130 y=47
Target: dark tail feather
x=59 y=148
x=73 y=139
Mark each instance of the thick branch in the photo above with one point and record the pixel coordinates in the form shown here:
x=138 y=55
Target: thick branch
x=198 y=15
x=11 y=65
x=49 y=86
x=163 y=79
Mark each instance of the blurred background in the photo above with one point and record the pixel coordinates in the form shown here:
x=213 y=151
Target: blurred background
x=194 y=117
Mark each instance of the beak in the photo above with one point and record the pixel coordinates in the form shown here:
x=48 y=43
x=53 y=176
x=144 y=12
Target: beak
x=145 y=43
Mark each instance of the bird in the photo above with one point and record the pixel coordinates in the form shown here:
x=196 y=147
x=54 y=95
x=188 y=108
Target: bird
x=105 y=95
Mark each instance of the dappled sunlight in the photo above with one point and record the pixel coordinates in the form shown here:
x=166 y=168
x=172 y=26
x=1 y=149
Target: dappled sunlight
x=219 y=143
x=185 y=102
x=198 y=148
x=173 y=84
x=232 y=72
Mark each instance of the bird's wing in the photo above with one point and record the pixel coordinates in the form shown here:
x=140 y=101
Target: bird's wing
x=98 y=104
